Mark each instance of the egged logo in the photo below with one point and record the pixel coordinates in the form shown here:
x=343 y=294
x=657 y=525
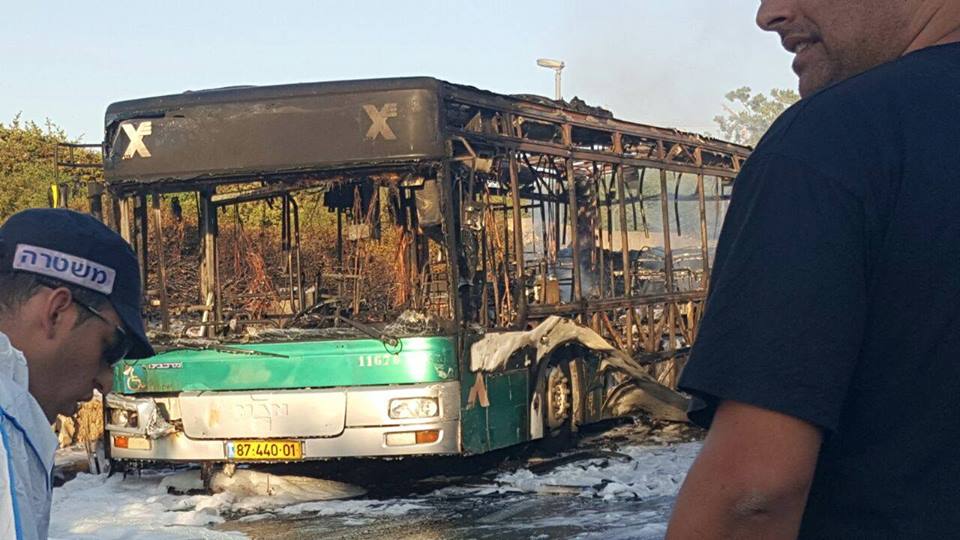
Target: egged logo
x=136 y=146
x=378 y=118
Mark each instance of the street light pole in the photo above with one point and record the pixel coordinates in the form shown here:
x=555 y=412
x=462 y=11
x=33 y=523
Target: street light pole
x=557 y=66
x=557 y=84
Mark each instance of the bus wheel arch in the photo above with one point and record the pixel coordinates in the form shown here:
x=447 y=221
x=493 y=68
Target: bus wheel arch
x=553 y=405
x=558 y=396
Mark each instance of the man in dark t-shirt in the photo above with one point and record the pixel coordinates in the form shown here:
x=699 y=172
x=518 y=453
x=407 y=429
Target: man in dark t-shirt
x=828 y=361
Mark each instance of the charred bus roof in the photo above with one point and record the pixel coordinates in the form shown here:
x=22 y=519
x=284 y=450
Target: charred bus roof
x=254 y=131
x=122 y=110
x=185 y=141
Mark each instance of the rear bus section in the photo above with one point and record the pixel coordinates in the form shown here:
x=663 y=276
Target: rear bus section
x=288 y=402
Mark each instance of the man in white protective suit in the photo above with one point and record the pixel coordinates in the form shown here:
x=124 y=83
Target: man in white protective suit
x=69 y=309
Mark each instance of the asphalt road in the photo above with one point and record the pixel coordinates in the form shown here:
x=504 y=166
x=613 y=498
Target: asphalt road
x=461 y=498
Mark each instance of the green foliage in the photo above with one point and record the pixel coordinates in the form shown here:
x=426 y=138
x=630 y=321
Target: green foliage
x=27 y=168
x=26 y=164
x=747 y=117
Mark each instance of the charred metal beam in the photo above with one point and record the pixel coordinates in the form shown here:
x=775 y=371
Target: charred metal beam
x=521 y=301
x=161 y=264
x=704 y=242
x=606 y=304
x=625 y=253
x=266 y=192
x=563 y=151
x=573 y=215
x=665 y=216
x=532 y=110
x=142 y=238
x=209 y=282
x=450 y=237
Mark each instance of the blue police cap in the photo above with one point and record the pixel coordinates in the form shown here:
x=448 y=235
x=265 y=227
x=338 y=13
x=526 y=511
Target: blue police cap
x=77 y=249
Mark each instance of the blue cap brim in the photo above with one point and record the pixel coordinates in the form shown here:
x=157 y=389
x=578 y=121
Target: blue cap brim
x=133 y=324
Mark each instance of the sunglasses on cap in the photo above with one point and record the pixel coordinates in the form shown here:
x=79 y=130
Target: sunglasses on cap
x=121 y=343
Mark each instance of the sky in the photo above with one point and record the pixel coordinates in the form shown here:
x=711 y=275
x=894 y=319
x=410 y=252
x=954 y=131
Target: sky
x=661 y=62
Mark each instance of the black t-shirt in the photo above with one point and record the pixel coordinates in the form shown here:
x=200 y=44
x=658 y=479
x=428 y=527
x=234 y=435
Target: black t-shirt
x=836 y=296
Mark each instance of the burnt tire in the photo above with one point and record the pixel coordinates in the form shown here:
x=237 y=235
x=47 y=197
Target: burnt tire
x=557 y=406
x=558 y=399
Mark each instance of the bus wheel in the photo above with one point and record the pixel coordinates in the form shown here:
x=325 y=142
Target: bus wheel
x=558 y=407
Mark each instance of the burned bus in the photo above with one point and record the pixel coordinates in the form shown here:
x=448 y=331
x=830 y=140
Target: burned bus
x=543 y=265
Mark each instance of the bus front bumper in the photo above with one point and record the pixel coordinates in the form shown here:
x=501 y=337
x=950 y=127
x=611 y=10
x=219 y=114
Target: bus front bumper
x=198 y=426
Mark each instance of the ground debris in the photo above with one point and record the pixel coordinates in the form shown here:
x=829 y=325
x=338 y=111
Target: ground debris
x=642 y=430
x=550 y=464
x=282 y=489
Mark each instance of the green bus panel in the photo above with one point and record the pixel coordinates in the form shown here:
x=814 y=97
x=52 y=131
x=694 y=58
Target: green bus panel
x=473 y=418
x=289 y=365
x=505 y=422
x=508 y=410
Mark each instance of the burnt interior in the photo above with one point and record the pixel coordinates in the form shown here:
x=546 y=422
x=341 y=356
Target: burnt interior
x=532 y=209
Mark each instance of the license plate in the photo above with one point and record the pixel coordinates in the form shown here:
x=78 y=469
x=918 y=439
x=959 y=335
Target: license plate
x=265 y=450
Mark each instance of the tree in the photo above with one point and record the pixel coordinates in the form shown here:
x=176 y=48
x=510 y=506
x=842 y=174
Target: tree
x=27 y=169
x=747 y=117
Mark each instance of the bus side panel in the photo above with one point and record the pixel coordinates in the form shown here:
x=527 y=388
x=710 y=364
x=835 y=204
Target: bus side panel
x=505 y=421
x=508 y=411
x=473 y=417
x=292 y=365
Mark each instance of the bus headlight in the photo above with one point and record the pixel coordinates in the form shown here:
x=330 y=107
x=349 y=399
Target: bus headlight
x=413 y=408
x=123 y=418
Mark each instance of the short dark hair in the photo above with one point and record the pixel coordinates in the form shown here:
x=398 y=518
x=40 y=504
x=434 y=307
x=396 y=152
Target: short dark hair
x=18 y=287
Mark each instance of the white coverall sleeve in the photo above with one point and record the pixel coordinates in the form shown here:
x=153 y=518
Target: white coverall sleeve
x=10 y=526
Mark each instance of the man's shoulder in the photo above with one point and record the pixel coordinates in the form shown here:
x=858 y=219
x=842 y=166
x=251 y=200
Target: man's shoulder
x=854 y=130
x=18 y=407
x=22 y=417
x=27 y=447
x=872 y=104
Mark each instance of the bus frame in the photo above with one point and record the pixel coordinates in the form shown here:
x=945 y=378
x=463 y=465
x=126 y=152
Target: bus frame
x=543 y=338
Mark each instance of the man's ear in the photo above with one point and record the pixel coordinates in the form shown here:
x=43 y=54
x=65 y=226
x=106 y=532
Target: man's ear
x=58 y=312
